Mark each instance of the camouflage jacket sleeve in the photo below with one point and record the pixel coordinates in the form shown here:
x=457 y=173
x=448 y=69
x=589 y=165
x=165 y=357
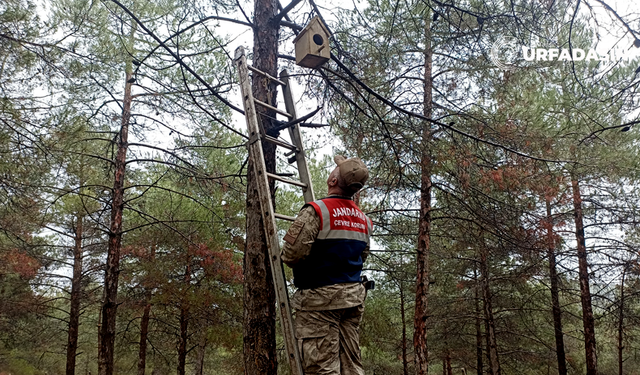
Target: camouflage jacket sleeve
x=300 y=236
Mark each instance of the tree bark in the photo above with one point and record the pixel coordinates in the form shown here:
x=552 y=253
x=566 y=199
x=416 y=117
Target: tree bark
x=202 y=346
x=583 y=275
x=184 y=321
x=492 y=343
x=405 y=365
x=259 y=338
x=424 y=231
x=621 y=323
x=100 y=334
x=182 y=345
x=479 y=364
x=112 y=271
x=144 y=322
x=555 y=297
x=447 y=363
x=144 y=332
x=76 y=292
x=446 y=354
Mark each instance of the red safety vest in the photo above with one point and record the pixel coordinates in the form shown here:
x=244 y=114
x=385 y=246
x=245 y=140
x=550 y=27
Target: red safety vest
x=336 y=255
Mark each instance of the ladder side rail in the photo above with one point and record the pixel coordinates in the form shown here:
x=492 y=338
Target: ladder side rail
x=268 y=215
x=296 y=139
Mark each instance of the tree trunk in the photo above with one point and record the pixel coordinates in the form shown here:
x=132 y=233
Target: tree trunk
x=621 y=323
x=182 y=345
x=446 y=357
x=112 y=271
x=555 y=298
x=184 y=321
x=405 y=365
x=479 y=364
x=447 y=363
x=260 y=355
x=76 y=292
x=100 y=334
x=144 y=331
x=144 y=323
x=583 y=275
x=424 y=230
x=492 y=343
x=201 y=351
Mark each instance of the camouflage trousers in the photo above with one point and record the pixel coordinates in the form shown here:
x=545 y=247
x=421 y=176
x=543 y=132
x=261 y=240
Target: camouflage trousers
x=329 y=341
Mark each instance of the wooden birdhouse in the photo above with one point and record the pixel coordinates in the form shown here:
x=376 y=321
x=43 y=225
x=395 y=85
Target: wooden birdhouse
x=312 y=44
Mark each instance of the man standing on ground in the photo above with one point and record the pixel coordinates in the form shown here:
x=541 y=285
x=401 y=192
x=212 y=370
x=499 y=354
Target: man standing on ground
x=326 y=247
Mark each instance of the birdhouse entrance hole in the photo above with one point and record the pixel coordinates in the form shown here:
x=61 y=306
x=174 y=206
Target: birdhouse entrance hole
x=318 y=39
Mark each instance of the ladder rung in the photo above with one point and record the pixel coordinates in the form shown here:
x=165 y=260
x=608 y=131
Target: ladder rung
x=272 y=108
x=280 y=143
x=286 y=180
x=284 y=217
x=274 y=79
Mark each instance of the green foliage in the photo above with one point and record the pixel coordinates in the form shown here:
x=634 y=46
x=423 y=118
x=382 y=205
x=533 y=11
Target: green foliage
x=515 y=139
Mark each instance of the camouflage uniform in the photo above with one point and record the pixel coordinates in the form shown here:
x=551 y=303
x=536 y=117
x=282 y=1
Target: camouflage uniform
x=328 y=317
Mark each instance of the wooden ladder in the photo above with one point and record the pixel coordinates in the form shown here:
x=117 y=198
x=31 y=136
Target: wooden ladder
x=269 y=216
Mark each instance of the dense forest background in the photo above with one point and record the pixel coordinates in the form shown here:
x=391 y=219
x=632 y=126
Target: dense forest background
x=505 y=201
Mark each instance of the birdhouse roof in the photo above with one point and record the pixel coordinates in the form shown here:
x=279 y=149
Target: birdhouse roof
x=313 y=24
